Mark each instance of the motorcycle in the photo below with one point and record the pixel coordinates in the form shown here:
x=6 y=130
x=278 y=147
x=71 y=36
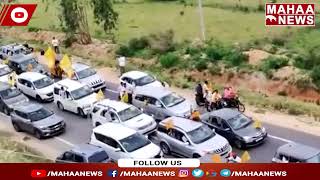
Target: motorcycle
x=213 y=106
x=233 y=103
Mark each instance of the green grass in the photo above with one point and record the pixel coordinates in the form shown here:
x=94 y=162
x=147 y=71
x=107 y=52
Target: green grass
x=138 y=19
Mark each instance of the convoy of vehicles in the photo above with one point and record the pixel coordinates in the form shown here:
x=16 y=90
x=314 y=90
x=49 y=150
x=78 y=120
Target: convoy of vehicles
x=122 y=130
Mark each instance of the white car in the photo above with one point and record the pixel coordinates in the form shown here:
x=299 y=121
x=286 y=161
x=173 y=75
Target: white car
x=73 y=96
x=134 y=79
x=36 y=85
x=4 y=73
x=87 y=75
x=126 y=114
x=121 y=142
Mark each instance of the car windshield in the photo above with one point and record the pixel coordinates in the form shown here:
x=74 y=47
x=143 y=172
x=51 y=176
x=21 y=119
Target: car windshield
x=24 y=65
x=42 y=83
x=144 y=80
x=134 y=142
x=81 y=92
x=129 y=113
x=10 y=93
x=5 y=70
x=239 y=122
x=98 y=157
x=172 y=100
x=86 y=73
x=314 y=159
x=40 y=114
x=201 y=134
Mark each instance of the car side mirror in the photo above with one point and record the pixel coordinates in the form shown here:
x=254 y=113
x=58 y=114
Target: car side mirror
x=227 y=129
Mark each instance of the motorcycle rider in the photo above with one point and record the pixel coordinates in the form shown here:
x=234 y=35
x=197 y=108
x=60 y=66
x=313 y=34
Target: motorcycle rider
x=199 y=95
x=205 y=88
x=215 y=99
x=229 y=95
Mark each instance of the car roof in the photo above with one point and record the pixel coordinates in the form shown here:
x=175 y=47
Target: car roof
x=186 y=125
x=13 y=46
x=69 y=84
x=225 y=113
x=79 y=66
x=158 y=92
x=28 y=107
x=86 y=149
x=3 y=65
x=4 y=86
x=114 y=130
x=134 y=74
x=31 y=76
x=117 y=105
x=298 y=151
x=21 y=57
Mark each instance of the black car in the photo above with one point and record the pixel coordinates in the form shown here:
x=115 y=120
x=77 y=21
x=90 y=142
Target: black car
x=84 y=153
x=10 y=97
x=237 y=128
x=37 y=120
x=23 y=63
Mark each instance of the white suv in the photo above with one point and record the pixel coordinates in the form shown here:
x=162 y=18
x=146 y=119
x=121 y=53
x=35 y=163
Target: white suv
x=36 y=85
x=119 y=112
x=87 y=75
x=73 y=96
x=121 y=142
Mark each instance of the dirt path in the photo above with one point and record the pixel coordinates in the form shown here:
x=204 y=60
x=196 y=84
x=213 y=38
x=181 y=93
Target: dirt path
x=300 y=123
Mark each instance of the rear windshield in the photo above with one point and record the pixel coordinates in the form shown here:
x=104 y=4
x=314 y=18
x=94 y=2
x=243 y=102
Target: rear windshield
x=98 y=157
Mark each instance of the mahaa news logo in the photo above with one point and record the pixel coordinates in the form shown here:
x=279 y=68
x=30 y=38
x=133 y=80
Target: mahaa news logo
x=16 y=14
x=290 y=14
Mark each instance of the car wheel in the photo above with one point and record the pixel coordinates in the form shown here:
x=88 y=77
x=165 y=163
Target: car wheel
x=6 y=111
x=16 y=127
x=60 y=106
x=37 y=134
x=196 y=156
x=81 y=113
x=165 y=148
x=238 y=144
x=38 y=98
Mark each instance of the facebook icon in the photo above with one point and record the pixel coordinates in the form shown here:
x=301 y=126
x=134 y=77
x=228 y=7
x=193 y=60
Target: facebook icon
x=112 y=173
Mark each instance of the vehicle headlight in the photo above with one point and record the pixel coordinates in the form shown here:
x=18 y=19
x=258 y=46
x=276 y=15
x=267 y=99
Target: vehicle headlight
x=44 y=128
x=263 y=130
x=246 y=138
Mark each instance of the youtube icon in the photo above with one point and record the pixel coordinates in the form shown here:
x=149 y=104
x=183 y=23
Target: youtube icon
x=38 y=173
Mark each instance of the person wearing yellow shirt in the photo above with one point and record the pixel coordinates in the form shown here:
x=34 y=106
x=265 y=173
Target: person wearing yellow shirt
x=215 y=99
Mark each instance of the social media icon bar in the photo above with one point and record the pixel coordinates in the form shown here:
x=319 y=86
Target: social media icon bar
x=225 y=173
x=38 y=173
x=112 y=173
x=183 y=173
x=197 y=173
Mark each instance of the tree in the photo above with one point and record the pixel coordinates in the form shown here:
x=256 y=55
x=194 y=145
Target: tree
x=74 y=19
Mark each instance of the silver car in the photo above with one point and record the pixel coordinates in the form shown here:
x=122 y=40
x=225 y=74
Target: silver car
x=37 y=120
x=161 y=103
x=189 y=138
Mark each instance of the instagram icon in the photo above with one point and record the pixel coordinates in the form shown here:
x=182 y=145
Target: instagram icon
x=183 y=173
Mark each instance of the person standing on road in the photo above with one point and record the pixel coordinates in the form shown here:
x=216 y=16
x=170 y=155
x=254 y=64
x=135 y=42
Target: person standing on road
x=121 y=63
x=55 y=44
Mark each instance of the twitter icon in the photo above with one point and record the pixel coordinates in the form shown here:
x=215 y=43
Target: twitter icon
x=197 y=173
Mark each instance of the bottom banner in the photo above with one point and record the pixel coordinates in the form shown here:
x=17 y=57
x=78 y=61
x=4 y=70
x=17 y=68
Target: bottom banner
x=205 y=171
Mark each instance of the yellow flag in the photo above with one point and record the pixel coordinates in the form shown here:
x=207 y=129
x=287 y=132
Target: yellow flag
x=50 y=57
x=65 y=63
x=125 y=98
x=245 y=157
x=69 y=72
x=100 y=95
x=216 y=158
x=169 y=124
x=257 y=124
x=6 y=61
x=12 y=79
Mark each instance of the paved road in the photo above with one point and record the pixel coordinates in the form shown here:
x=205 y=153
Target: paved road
x=79 y=130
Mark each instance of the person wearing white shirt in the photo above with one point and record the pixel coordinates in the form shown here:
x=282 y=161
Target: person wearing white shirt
x=55 y=44
x=122 y=64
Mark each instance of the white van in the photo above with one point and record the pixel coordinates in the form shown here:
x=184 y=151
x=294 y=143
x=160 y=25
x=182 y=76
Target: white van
x=73 y=96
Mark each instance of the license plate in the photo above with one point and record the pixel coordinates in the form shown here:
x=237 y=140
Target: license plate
x=259 y=139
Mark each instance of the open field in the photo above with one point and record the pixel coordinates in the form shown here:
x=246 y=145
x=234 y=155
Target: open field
x=151 y=17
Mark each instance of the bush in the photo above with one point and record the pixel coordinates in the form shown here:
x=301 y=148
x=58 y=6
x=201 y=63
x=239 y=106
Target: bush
x=201 y=64
x=70 y=39
x=235 y=58
x=162 y=42
x=33 y=29
x=169 y=60
x=215 y=70
x=124 y=51
x=138 y=43
x=282 y=93
x=192 y=51
x=273 y=63
x=278 y=41
x=315 y=75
